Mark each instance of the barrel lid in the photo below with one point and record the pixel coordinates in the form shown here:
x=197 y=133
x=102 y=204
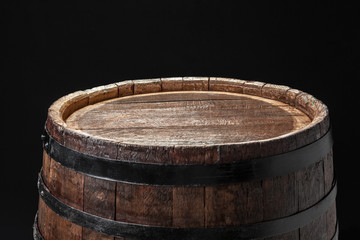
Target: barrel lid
x=177 y=119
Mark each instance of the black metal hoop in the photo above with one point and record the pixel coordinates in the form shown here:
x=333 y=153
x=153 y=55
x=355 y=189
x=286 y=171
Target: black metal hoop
x=146 y=232
x=188 y=175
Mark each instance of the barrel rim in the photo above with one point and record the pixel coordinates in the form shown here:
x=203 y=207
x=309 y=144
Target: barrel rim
x=314 y=108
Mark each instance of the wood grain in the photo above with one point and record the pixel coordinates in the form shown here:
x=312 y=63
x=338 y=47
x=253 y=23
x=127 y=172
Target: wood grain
x=171 y=84
x=181 y=118
x=147 y=86
x=99 y=200
x=226 y=85
x=311 y=190
x=195 y=83
x=234 y=204
x=67 y=186
x=188 y=120
x=102 y=93
x=151 y=205
x=188 y=202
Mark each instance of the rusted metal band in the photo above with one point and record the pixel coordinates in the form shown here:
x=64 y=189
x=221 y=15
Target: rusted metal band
x=188 y=175
x=147 y=232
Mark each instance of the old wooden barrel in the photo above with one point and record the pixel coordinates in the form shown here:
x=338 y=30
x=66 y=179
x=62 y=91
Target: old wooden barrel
x=187 y=158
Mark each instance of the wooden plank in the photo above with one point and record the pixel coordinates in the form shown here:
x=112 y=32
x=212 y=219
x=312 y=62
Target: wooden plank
x=315 y=230
x=125 y=88
x=253 y=87
x=280 y=197
x=306 y=103
x=99 y=200
x=331 y=217
x=67 y=186
x=311 y=189
x=43 y=220
x=233 y=204
x=280 y=194
x=147 y=86
x=46 y=168
x=188 y=207
x=146 y=204
x=291 y=96
x=143 y=204
x=73 y=102
x=232 y=152
x=188 y=202
x=226 y=85
x=102 y=93
x=171 y=84
x=99 y=194
x=273 y=91
x=195 y=83
x=54 y=227
x=55 y=124
x=331 y=221
x=120 y=207
x=328 y=171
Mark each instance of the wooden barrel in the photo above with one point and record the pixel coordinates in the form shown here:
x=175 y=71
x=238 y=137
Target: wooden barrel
x=187 y=158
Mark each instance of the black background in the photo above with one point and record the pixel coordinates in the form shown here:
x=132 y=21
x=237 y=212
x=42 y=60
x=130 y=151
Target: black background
x=52 y=49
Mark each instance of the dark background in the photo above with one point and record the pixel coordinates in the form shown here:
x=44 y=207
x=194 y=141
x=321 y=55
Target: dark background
x=52 y=49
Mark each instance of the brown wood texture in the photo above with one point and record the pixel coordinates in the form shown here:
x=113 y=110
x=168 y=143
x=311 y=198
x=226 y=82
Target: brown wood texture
x=187 y=119
x=190 y=120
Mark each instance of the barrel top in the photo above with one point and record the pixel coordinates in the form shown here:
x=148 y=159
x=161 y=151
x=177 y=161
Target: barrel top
x=187 y=118
x=190 y=112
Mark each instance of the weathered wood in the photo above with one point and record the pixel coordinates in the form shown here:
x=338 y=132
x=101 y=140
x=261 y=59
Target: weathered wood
x=171 y=84
x=290 y=96
x=125 y=88
x=331 y=218
x=226 y=85
x=280 y=199
x=99 y=194
x=67 y=186
x=44 y=223
x=102 y=93
x=99 y=199
x=195 y=83
x=188 y=202
x=120 y=204
x=234 y=204
x=52 y=226
x=46 y=168
x=253 y=88
x=151 y=205
x=74 y=102
x=188 y=120
x=182 y=118
x=272 y=91
x=147 y=86
x=310 y=191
